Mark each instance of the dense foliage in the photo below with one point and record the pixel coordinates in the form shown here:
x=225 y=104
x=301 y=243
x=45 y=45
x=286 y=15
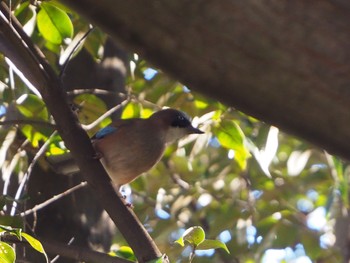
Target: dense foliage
x=243 y=182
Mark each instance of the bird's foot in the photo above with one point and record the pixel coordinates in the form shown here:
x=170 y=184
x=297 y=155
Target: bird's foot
x=97 y=156
x=129 y=205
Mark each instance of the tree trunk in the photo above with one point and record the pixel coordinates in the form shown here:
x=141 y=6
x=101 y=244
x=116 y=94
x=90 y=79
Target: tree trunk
x=284 y=62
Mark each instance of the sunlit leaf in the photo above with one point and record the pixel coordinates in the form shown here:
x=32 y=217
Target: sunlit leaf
x=56 y=147
x=212 y=244
x=53 y=23
x=201 y=104
x=36 y=244
x=125 y=252
x=232 y=137
x=11 y=230
x=131 y=110
x=31 y=106
x=24 y=13
x=265 y=156
x=14 y=221
x=162 y=259
x=297 y=161
x=94 y=42
x=7 y=253
x=91 y=108
x=193 y=236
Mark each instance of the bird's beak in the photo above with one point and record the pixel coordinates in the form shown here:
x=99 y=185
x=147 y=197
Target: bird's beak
x=193 y=130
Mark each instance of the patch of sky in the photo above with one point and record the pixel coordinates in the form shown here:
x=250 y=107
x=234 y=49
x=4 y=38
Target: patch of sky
x=225 y=236
x=205 y=253
x=149 y=73
x=287 y=255
x=316 y=220
x=204 y=199
x=214 y=142
x=312 y=194
x=305 y=205
x=251 y=234
x=162 y=214
x=186 y=89
x=2 y=110
x=256 y=194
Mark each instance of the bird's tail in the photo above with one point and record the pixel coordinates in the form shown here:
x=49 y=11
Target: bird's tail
x=63 y=164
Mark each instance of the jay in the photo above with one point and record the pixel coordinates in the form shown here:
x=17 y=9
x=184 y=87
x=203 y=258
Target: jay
x=129 y=147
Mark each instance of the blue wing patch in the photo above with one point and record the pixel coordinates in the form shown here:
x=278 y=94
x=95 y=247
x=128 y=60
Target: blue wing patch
x=104 y=132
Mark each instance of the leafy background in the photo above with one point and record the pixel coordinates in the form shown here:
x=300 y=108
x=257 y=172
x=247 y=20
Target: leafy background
x=264 y=193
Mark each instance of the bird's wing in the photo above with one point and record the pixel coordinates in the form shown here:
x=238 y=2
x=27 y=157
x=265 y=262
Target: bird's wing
x=104 y=132
x=110 y=129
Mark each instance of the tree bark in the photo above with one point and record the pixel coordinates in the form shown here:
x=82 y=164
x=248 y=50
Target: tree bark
x=17 y=46
x=284 y=62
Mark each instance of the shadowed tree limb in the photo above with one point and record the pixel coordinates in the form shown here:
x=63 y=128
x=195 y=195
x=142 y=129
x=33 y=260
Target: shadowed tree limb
x=17 y=46
x=284 y=62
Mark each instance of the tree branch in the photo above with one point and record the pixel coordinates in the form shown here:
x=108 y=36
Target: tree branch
x=37 y=207
x=30 y=122
x=70 y=251
x=284 y=62
x=17 y=46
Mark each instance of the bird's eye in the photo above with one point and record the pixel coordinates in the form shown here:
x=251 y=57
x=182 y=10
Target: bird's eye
x=180 y=122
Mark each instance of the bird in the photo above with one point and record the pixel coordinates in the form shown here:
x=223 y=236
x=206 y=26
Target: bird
x=130 y=147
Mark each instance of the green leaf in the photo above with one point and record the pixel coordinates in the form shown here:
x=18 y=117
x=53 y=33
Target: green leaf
x=193 y=235
x=54 y=24
x=7 y=253
x=31 y=106
x=131 y=110
x=126 y=253
x=56 y=146
x=232 y=137
x=162 y=259
x=212 y=244
x=13 y=221
x=91 y=108
x=11 y=230
x=94 y=41
x=32 y=135
x=36 y=244
x=24 y=13
x=201 y=103
x=3 y=201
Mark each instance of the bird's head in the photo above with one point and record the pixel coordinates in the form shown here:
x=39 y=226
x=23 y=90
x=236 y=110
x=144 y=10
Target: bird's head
x=176 y=124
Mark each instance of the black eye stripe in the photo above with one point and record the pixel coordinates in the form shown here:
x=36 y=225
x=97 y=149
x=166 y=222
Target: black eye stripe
x=180 y=121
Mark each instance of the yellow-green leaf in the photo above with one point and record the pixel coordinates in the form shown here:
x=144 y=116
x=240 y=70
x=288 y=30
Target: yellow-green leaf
x=36 y=244
x=212 y=244
x=232 y=137
x=163 y=258
x=193 y=235
x=31 y=106
x=125 y=252
x=91 y=108
x=131 y=110
x=54 y=24
x=7 y=253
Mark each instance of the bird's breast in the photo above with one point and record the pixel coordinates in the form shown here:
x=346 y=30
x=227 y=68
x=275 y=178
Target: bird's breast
x=125 y=158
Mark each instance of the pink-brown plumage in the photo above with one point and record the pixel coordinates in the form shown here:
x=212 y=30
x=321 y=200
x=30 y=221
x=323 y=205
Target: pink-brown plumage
x=131 y=147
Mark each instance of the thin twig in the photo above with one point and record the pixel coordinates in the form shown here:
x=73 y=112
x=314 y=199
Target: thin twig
x=73 y=252
x=105 y=115
x=58 y=256
x=90 y=91
x=52 y=199
x=29 y=171
x=64 y=67
x=43 y=76
x=31 y=122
